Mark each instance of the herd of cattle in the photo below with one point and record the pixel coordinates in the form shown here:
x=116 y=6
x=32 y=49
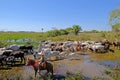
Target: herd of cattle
x=49 y=48
x=11 y=54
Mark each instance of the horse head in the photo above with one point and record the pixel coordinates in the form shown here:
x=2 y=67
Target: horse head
x=31 y=62
x=34 y=63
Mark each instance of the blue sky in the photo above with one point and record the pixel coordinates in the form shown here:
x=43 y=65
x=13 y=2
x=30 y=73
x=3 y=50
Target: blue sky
x=32 y=15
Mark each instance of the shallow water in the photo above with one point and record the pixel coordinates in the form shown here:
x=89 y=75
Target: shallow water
x=85 y=66
x=111 y=64
x=78 y=63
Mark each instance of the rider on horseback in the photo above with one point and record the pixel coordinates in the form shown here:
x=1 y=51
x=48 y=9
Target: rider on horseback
x=43 y=61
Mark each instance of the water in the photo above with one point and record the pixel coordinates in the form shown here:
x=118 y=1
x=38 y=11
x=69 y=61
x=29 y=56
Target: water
x=111 y=64
x=86 y=58
x=20 y=40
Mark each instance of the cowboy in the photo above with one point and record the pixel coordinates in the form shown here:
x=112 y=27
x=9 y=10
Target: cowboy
x=43 y=61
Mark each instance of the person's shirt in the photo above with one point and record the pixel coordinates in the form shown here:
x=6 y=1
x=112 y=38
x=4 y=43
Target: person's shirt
x=43 y=58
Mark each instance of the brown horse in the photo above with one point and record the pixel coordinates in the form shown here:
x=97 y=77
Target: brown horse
x=37 y=66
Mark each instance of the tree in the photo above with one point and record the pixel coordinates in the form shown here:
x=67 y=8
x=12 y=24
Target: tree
x=53 y=33
x=63 y=32
x=116 y=27
x=76 y=29
x=69 y=30
x=115 y=19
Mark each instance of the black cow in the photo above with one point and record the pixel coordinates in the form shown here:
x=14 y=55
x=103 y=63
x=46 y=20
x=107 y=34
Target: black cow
x=107 y=45
x=17 y=55
x=26 y=49
x=1 y=60
x=5 y=56
x=6 y=53
x=116 y=44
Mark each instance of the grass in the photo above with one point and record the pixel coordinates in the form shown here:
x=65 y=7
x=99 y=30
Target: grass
x=36 y=37
x=106 y=56
x=115 y=74
x=10 y=74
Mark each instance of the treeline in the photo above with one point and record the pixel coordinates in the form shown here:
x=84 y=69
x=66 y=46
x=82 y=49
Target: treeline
x=75 y=29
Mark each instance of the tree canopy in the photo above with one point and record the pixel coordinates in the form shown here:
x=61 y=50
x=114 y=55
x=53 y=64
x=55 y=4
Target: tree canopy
x=115 y=20
x=55 y=32
x=76 y=29
x=115 y=17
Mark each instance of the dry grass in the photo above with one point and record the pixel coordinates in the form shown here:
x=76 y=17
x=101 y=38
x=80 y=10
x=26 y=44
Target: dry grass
x=15 y=72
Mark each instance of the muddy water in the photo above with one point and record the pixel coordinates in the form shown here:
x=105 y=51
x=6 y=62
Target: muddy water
x=83 y=65
x=76 y=63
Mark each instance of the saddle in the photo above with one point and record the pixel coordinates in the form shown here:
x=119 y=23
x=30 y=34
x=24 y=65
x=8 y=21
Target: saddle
x=43 y=65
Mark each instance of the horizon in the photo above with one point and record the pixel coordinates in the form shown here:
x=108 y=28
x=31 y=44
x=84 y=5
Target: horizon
x=33 y=15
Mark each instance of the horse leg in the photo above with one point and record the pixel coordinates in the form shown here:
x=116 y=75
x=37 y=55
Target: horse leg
x=52 y=72
x=36 y=72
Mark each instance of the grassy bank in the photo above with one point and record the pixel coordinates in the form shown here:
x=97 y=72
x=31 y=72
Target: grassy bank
x=35 y=37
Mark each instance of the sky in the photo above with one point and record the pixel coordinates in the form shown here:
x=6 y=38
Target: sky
x=33 y=15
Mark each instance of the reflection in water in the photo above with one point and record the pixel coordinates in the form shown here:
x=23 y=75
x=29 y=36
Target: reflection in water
x=110 y=64
x=21 y=40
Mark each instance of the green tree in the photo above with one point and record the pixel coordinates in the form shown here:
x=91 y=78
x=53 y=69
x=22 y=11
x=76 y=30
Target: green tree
x=115 y=19
x=63 y=32
x=53 y=33
x=76 y=29
x=69 y=30
x=116 y=27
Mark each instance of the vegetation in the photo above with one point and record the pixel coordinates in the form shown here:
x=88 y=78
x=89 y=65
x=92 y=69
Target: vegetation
x=115 y=20
x=76 y=29
x=34 y=38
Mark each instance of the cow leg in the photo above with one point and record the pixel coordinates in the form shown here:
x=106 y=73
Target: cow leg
x=1 y=62
x=24 y=59
x=21 y=60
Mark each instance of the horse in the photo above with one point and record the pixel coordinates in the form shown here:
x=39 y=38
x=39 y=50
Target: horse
x=37 y=66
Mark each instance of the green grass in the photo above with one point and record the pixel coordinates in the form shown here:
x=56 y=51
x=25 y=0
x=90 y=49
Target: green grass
x=38 y=36
x=106 y=56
